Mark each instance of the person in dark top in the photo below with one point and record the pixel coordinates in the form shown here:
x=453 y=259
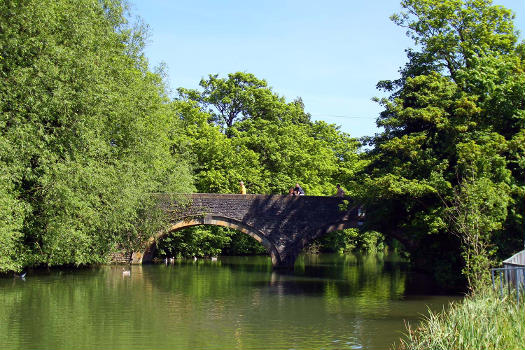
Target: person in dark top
x=298 y=191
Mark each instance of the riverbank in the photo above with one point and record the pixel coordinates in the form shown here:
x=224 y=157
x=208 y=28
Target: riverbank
x=481 y=321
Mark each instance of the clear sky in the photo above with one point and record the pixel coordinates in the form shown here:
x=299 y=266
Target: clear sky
x=331 y=54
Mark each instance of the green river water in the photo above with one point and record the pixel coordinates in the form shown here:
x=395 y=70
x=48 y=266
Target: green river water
x=328 y=302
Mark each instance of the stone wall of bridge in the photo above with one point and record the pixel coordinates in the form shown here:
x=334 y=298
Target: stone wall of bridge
x=283 y=224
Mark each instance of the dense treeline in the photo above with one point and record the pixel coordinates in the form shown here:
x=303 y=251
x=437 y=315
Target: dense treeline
x=445 y=176
x=240 y=130
x=87 y=132
x=447 y=172
x=237 y=129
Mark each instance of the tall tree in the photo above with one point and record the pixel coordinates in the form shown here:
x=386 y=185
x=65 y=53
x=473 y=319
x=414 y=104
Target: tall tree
x=239 y=97
x=270 y=144
x=459 y=95
x=83 y=133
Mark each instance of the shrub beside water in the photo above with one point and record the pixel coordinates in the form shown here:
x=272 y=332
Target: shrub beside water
x=480 y=321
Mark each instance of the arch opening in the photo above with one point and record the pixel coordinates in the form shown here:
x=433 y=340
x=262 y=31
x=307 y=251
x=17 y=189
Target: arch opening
x=220 y=221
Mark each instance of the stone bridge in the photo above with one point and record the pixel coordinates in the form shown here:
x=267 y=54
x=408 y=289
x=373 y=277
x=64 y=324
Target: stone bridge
x=284 y=225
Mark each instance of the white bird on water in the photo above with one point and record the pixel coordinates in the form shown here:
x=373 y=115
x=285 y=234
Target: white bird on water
x=213 y=258
x=126 y=272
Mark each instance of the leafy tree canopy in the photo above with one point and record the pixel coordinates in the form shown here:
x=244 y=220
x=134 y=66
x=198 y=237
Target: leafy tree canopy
x=240 y=97
x=451 y=126
x=83 y=133
x=238 y=129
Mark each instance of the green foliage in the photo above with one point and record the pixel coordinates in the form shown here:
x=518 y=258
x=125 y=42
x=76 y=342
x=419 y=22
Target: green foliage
x=371 y=242
x=240 y=97
x=239 y=129
x=482 y=321
x=348 y=241
x=193 y=242
x=202 y=241
x=344 y=241
x=452 y=33
x=83 y=134
x=479 y=206
x=11 y=224
x=446 y=161
x=220 y=162
x=242 y=244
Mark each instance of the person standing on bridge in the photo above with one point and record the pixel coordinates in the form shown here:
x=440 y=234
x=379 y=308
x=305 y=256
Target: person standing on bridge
x=242 y=189
x=298 y=190
x=340 y=192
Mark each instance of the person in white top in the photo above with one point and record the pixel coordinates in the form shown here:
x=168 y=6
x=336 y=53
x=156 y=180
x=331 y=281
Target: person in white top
x=340 y=191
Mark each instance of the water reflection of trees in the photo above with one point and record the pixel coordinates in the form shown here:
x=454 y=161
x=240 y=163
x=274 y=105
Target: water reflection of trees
x=368 y=278
x=234 y=302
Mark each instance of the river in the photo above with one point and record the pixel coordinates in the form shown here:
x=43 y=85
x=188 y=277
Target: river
x=328 y=302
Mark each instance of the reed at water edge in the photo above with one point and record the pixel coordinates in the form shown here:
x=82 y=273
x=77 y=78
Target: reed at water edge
x=484 y=320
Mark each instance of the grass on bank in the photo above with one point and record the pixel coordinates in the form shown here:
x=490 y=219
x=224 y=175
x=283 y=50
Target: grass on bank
x=480 y=321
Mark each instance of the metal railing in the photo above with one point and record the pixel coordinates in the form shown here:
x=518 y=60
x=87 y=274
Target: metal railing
x=511 y=275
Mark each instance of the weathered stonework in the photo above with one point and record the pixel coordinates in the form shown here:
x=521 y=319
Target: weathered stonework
x=282 y=224
x=120 y=257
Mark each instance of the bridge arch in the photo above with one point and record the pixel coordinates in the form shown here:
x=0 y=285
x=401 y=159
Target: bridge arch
x=213 y=220
x=282 y=224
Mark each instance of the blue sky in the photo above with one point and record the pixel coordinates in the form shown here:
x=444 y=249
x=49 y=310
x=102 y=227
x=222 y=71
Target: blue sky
x=331 y=54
